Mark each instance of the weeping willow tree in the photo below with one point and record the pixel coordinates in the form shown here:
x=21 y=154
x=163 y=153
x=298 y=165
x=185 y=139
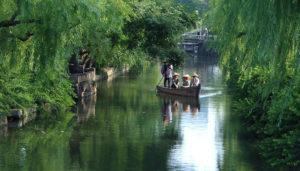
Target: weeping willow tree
x=259 y=44
x=38 y=38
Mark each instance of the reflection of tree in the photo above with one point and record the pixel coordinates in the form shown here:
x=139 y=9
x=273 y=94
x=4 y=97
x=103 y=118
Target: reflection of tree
x=74 y=144
x=3 y=131
x=238 y=153
x=127 y=133
x=38 y=146
x=130 y=134
x=84 y=110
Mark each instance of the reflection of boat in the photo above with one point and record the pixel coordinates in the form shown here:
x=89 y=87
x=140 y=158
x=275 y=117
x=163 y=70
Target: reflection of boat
x=190 y=91
x=167 y=111
x=193 y=102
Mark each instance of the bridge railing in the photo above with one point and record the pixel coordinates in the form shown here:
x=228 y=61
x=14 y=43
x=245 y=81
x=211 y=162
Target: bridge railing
x=196 y=37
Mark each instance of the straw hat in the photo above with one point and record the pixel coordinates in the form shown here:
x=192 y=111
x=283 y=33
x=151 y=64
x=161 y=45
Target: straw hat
x=186 y=76
x=195 y=75
x=175 y=74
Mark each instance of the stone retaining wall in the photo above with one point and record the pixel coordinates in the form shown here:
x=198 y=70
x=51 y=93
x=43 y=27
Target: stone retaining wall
x=16 y=118
x=110 y=73
x=88 y=75
x=23 y=113
x=85 y=83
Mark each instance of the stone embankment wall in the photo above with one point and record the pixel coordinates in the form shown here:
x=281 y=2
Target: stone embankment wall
x=20 y=117
x=85 y=83
x=110 y=73
x=17 y=118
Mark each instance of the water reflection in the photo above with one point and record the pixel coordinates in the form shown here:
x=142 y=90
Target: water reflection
x=201 y=147
x=3 y=131
x=201 y=131
x=173 y=106
x=167 y=111
x=85 y=108
x=127 y=127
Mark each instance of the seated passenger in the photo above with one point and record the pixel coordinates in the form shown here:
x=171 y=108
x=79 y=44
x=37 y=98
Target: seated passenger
x=175 y=80
x=186 y=81
x=195 y=80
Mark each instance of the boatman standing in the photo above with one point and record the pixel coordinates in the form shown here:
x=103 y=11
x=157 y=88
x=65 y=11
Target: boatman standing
x=167 y=73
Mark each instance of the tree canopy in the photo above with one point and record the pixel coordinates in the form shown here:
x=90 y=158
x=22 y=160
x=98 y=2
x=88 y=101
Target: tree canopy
x=38 y=38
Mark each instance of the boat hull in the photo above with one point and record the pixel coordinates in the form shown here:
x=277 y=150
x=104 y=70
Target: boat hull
x=189 y=92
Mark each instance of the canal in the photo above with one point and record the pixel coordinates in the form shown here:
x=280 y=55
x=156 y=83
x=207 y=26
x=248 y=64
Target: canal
x=128 y=127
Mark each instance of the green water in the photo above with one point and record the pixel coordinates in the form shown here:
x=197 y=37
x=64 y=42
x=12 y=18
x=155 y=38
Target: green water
x=126 y=127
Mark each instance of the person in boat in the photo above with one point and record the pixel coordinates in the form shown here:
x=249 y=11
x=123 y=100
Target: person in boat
x=186 y=81
x=175 y=81
x=195 y=80
x=167 y=72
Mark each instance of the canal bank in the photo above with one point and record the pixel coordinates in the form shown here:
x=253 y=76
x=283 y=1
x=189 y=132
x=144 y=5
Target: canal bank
x=85 y=82
x=85 y=88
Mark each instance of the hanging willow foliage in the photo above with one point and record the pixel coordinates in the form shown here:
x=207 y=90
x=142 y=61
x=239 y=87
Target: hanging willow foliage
x=259 y=42
x=38 y=37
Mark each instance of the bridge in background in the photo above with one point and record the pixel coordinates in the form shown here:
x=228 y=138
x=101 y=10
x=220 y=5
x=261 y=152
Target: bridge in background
x=192 y=41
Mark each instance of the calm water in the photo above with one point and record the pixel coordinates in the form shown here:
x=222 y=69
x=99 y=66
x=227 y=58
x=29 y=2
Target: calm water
x=128 y=127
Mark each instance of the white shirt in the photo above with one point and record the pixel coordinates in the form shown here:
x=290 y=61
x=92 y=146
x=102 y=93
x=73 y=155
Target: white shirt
x=169 y=71
x=195 y=82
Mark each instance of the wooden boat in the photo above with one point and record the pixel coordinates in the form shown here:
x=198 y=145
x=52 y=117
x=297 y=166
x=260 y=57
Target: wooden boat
x=190 y=91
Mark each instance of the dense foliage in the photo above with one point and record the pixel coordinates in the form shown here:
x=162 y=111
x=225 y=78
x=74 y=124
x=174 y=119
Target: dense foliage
x=198 y=6
x=38 y=37
x=156 y=25
x=259 y=44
